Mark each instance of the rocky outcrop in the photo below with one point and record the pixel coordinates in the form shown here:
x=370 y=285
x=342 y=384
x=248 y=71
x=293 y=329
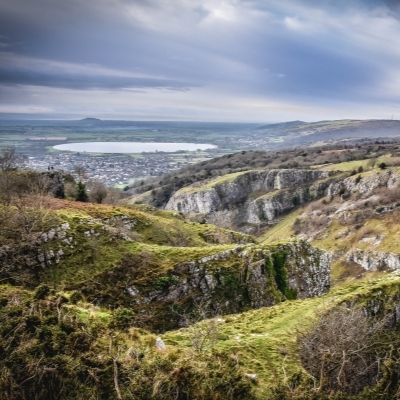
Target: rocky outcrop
x=374 y=260
x=26 y=258
x=267 y=208
x=365 y=184
x=251 y=198
x=308 y=270
x=241 y=278
x=24 y=261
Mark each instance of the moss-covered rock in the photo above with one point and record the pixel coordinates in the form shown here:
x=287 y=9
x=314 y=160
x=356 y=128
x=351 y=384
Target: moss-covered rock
x=228 y=281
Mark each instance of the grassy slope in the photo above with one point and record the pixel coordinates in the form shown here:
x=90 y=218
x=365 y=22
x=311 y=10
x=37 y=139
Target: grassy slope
x=366 y=164
x=168 y=237
x=387 y=227
x=209 y=184
x=335 y=237
x=152 y=225
x=83 y=266
x=282 y=231
x=264 y=340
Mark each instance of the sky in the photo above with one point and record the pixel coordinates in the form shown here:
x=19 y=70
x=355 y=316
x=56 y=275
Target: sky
x=200 y=60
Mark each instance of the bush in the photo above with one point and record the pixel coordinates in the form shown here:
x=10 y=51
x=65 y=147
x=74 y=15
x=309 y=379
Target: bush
x=345 y=350
x=382 y=165
x=97 y=192
x=41 y=292
x=81 y=194
x=122 y=318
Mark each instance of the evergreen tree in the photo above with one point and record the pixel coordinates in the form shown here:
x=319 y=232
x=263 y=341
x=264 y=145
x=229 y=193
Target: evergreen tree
x=81 y=194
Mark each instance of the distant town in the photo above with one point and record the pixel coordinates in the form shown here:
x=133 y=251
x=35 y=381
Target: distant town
x=36 y=140
x=114 y=169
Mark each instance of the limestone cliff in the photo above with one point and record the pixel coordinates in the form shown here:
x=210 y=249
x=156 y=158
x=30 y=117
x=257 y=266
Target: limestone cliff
x=374 y=260
x=250 y=199
x=366 y=183
x=237 y=279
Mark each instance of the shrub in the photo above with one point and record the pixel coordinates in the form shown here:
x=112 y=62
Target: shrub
x=97 y=192
x=81 y=194
x=122 y=318
x=345 y=349
x=41 y=292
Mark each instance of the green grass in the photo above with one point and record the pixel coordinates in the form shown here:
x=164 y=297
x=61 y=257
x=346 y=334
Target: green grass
x=367 y=164
x=346 y=166
x=206 y=185
x=89 y=314
x=158 y=226
x=387 y=228
x=96 y=254
x=338 y=237
x=90 y=259
x=282 y=231
x=100 y=237
x=169 y=256
x=264 y=340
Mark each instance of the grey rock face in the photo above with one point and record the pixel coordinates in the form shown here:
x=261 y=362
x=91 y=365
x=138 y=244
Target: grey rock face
x=374 y=260
x=366 y=184
x=308 y=270
x=251 y=198
x=245 y=277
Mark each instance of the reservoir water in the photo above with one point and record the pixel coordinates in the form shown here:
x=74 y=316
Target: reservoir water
x=132 y=147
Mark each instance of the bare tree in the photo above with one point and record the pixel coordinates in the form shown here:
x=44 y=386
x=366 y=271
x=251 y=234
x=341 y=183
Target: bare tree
x=8 y=183
x=8 y=159
x=80 y=170
x=203 y=331
x=204 y=334
x=38 y=189
x=70 y=190
x=345 y=350
x=97 y=191
x=113 y=196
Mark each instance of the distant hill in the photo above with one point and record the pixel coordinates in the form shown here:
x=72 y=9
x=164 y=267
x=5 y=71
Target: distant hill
x=299 y=132
x=90 y=120
x=282 y=125
x=285 y=134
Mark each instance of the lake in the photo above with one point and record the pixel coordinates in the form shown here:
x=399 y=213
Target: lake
x=132 y=147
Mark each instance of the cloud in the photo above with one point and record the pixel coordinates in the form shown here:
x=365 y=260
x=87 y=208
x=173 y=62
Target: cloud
x=295 y=24
x=24 y=109
x=155 y=104
x=22 y=70
x=220 y=56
